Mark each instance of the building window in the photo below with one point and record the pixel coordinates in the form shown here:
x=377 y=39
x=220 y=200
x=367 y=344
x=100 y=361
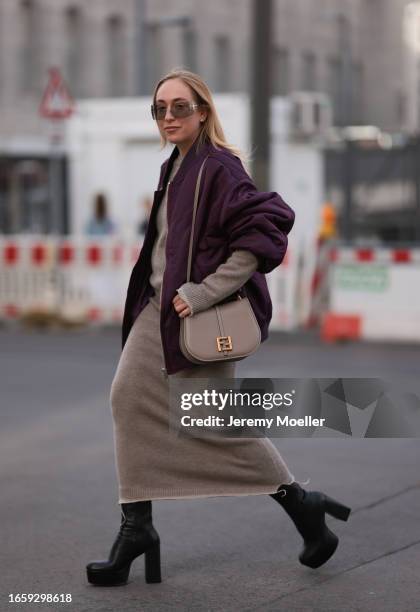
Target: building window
x=345 y=94
x=334 y=87
x=116 y=60
x=404 y=110
x=357 y=91
x=401 y=110
x=190 y=48
x=29 y=49
x=222 y=79
x=74 y=52
x=153 y=55
x=280 y=67
x=309 y=71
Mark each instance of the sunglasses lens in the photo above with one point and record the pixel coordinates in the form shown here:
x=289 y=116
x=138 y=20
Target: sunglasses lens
x=179 y=110
x=182 y=109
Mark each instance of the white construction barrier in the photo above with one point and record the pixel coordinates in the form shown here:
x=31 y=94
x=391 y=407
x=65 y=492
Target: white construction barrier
x=374 y=294
x=26 y=269
x=77 y=278
x=95 y=275
x=315 y=283
x=86 y=278
x=283 y=284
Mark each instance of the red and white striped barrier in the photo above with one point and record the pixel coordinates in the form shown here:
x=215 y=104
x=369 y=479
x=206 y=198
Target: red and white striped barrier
x=85 y=279
x=95 y=276
x=319 y=283
x=378 y=255
x=374 y=294
x=77 y=278
x=25 y=270
x=283 y=287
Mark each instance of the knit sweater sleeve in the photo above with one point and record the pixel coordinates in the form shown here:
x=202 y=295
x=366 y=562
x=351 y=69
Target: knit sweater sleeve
x=227 y=278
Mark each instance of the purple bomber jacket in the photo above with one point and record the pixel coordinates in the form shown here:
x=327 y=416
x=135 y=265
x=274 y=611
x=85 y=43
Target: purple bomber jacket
x=231 y=214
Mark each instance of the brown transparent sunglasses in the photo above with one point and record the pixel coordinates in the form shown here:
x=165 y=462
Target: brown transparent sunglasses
x=179 y=110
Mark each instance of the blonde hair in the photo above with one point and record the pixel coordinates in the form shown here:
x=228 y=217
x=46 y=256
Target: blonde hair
x=211 y=129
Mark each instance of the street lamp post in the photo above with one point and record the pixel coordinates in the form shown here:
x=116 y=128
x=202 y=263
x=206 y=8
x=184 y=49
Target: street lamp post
x=261 y=91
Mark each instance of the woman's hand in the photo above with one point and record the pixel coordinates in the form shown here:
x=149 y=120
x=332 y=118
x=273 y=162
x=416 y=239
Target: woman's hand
x=180 y=306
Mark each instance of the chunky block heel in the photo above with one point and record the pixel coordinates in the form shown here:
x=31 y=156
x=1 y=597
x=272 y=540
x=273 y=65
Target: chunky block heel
x=152 y=563
x=336 y=509
x=137 y=536
x=317 y=552
x=307 y=510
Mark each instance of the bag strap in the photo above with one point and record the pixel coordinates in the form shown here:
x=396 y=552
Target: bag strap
x=197 y=190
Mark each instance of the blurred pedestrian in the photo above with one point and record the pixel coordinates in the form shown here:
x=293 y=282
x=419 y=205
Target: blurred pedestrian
x=100 y=224
x=146 y=204
x=242 y=236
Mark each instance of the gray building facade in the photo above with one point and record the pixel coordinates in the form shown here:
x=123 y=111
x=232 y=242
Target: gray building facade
x=354 y=50
x=351 y=49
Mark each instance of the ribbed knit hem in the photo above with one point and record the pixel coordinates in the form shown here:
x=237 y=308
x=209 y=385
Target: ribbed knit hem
x=132 y=494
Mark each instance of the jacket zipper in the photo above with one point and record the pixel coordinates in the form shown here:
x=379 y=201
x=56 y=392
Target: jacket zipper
x=167 y=226
x=164 y=371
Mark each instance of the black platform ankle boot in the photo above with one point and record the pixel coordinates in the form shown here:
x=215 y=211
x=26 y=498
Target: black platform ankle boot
x=307 y=510
x=136 y=536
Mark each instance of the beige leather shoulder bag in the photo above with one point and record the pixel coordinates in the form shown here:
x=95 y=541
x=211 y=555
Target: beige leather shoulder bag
x=227 y=331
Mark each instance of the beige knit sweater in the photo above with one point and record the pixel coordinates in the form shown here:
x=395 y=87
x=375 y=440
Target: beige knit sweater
x=226 y=279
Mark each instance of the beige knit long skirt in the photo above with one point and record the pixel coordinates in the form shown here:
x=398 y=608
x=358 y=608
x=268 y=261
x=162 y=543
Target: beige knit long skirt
x=152 y=462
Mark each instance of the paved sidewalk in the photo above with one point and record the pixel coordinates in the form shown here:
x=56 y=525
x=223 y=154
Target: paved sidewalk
x=59 y=506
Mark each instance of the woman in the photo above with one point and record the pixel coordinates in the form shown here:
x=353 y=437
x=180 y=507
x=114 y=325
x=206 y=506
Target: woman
x=100 y=224
x=242 y=234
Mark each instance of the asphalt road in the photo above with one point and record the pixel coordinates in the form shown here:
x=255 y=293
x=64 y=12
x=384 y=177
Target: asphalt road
x=59 y=506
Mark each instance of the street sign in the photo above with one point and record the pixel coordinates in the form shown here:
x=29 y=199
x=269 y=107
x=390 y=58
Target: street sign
x=56 y=103
x=374 y=278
